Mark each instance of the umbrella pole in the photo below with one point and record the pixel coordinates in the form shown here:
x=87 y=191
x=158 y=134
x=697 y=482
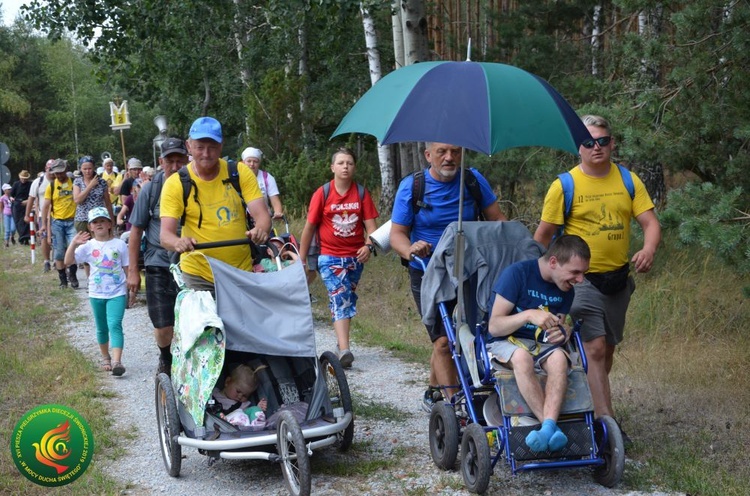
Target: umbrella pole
x=460 y=245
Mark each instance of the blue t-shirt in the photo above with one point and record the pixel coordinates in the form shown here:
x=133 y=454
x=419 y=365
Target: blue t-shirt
x=522 y=284
x=442 y=206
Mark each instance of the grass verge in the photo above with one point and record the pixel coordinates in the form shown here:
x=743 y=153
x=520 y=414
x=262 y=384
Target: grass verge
x=38 y=366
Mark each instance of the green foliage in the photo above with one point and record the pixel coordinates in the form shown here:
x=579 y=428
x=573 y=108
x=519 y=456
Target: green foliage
x=708 y=216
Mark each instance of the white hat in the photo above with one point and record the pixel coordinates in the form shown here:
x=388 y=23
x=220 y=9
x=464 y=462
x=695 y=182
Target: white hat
x=149 y=170
x=134 y=163
x=251 y=152
x=100 y=171
x=6 y=186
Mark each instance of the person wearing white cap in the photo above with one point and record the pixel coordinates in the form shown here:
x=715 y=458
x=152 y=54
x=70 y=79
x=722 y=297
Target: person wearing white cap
x=114 y=180
x=36 y=205
x=214 y=209
x=108 y=258
x=252 y=157
x=8 y=224
x=126 y=188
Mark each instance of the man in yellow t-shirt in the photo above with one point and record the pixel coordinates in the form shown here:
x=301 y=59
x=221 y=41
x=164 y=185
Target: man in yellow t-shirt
x=59 y=217
x=601 y=212
x=214 y=208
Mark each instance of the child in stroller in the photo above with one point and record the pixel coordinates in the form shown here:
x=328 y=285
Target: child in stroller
x=233 y=401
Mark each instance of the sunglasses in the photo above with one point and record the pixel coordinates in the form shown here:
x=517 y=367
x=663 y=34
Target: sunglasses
x=602 y=142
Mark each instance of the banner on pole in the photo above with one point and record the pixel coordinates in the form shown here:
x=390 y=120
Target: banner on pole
x=120 y=115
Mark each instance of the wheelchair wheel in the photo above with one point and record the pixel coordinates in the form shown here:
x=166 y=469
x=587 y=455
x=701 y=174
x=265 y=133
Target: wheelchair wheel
x=475 y=459
x=443 y=435
x=609 y=447
x=168 y=423
x=295 y=462
x=338 y=392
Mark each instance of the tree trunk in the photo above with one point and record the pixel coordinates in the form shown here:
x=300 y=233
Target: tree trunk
x=595 y=41
x=398 y=34
x=304 y=73
x=240 y=40
x=414 y=24
x=387 y=184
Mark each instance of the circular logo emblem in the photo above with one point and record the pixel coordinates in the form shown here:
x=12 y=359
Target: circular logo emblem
x=52 y=445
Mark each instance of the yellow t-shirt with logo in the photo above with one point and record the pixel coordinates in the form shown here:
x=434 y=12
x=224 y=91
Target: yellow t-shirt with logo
x=223 y=217
x=113 y=180
x=63 y=206
x=600 y=214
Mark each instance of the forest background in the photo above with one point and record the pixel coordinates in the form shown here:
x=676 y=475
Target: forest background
x=671 y=76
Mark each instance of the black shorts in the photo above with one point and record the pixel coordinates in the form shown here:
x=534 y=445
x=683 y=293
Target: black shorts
x=436 y=330
x=161 y=293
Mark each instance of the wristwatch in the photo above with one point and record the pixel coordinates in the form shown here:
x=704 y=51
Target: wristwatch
x=370 y=247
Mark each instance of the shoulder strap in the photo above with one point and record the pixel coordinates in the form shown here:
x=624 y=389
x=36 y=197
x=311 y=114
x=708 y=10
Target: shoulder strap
x=187 y=183
x=417 y=191
x=326 y=189
x=265 y=180
x=154 y=193
x=472 y=184
x=627 y=180
x=566 y=180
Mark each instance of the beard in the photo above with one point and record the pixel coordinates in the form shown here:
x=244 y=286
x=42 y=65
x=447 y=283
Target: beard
x=448 y=174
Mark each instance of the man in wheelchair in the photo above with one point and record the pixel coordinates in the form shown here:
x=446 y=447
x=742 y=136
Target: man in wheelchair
x=529 y=304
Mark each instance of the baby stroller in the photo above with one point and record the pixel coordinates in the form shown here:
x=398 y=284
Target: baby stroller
x=488 y=417
x=266 y=319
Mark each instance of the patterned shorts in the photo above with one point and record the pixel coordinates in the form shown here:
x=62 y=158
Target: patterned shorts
x=341 y=276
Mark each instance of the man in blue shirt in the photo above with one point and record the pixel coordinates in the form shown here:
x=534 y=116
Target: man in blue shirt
x=529 y=303
x=417 y=234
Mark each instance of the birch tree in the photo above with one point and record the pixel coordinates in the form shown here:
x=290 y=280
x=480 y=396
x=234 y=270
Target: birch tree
x=387 y=183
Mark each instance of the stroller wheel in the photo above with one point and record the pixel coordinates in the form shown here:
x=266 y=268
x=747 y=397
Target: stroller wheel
x=443 y=435
x=338 y=392
x=168 y=421
x=610 y=447
x=295 y=462
x=475 y=459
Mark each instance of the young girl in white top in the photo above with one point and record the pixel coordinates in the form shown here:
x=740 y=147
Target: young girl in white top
x=108 y=258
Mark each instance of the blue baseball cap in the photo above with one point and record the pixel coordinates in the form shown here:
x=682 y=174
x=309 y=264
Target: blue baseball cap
x=206 y=127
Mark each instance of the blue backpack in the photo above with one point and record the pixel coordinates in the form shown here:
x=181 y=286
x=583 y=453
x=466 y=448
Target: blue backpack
x=568 y=187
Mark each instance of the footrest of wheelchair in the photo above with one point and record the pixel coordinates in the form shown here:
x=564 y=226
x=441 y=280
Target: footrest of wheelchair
x=579 y=442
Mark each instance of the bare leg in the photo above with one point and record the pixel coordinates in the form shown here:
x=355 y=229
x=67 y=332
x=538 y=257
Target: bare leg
x=442 y=366
x=341 y=327
x=163 y=336
x=522 y=364
x=598 y=377
x=556 y=367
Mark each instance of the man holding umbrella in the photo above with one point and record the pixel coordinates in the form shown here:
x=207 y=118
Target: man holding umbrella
x=418 y=233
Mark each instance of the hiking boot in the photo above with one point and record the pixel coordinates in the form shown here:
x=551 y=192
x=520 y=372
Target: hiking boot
x=63 y=278
x=346 y=358
x=73 y=280
x=72 y=276
x=431 y=396
x=47 y=266
x=12 y=240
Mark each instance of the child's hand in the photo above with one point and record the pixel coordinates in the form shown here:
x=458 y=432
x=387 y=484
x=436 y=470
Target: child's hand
x=263 y=404
x=81 y=237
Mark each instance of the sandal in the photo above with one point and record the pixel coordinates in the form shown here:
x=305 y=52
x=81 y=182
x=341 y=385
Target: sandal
x=118 y=369
x=106 y=363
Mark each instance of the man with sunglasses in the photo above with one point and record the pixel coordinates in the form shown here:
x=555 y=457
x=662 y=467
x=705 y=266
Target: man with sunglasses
x=600 y=213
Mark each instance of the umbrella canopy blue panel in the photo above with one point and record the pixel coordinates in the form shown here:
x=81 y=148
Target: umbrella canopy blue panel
x=485 y=107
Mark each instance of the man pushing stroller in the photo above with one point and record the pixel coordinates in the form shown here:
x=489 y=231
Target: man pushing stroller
x=529 y=303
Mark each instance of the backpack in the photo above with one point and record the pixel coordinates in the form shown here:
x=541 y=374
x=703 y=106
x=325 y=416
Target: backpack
x=417 y=195
x=188 y=183
x=314 y=250
x=568 y=187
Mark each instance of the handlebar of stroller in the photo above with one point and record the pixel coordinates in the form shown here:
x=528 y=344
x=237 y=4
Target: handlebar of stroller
x=237 y=242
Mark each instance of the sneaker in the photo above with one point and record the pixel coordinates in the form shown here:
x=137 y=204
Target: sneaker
x=346 y=358
x=431 y=396
x=47 y=266
x=73 y=280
